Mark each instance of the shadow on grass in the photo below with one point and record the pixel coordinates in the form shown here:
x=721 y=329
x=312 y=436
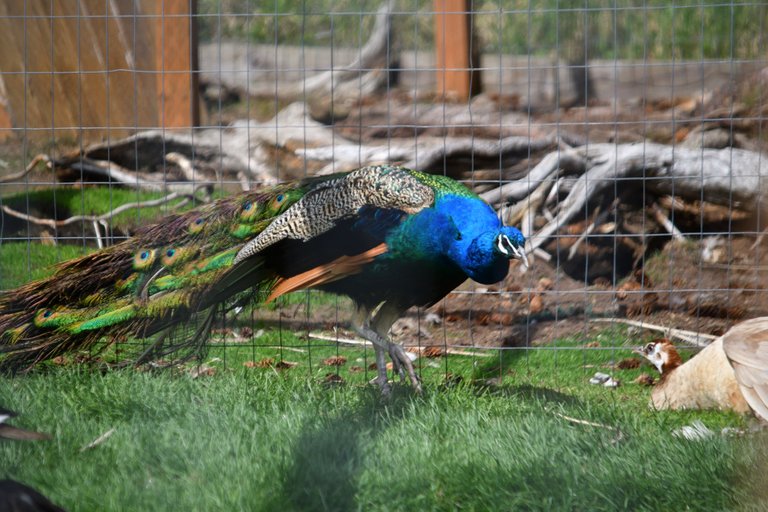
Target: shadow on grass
x=528 y=393
x=504 y=364
x=326 y=460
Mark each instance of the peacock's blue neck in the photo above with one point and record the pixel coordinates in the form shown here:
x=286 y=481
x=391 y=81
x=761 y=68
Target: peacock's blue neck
x=459 y=231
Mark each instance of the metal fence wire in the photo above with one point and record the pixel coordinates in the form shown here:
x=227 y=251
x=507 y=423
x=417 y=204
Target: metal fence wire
x=625 y=138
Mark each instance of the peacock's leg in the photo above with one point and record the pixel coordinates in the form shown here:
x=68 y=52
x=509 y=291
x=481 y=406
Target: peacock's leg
x=375 y=328
x=361 y=325
x=381 y=369
x=382 y=322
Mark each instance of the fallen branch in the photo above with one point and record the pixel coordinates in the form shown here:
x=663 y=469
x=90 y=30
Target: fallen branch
x=666 y=223
x=517 y=190
x=372 y=57
x=52 y=223
x=592 y=225
x=709 y=212
x=433 y=149
x=598 y=221
x=726 y=176
x=524 y=210
x=690 y=337
x=357 y=341
x=421 y=152
x=29 y=168
x=113 y=173
x=758 y=240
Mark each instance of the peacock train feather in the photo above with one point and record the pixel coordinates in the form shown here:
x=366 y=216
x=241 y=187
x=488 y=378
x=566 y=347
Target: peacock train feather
x=388 y=237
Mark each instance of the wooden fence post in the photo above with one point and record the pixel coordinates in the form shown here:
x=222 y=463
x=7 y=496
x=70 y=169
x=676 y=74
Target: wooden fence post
x=176 y=63
x=456 y=61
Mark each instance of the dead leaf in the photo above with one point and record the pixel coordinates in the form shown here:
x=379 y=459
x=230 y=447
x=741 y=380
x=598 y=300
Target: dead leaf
x=335 y=361
x=266 y=362
x=536 y=305
x=333 y=378
x=545 y=284
x=432 y=352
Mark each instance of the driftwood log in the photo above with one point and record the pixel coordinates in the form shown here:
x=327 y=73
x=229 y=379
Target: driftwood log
x=734 y=178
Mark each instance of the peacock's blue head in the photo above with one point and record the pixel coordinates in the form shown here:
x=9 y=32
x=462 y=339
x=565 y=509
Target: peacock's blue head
x=482 y=246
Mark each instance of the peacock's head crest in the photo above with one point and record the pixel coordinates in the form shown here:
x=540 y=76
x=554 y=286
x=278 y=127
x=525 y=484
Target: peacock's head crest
x=510 y=242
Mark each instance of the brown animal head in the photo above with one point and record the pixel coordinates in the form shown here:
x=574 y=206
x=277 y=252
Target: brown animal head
x=662 y=354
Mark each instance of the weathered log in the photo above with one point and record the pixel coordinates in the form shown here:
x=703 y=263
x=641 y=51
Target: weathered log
x=421 y=152
x=727 y=176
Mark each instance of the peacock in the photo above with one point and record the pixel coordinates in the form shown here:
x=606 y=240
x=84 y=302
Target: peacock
x=386 y=236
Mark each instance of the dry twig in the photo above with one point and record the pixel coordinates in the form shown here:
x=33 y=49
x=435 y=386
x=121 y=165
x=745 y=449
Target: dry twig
x=96 y=442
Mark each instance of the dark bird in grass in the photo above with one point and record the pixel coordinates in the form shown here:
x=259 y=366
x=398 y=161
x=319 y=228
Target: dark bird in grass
x=8 y=431
x=17 y=497
x=388 y=237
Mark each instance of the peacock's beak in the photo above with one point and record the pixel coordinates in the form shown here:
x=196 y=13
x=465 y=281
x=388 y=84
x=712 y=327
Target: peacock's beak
x=519 y=253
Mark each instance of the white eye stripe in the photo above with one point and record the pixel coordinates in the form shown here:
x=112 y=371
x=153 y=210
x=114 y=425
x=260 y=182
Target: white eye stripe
x=500 y=245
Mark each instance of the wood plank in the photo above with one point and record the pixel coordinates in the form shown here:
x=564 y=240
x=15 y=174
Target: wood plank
x=456 y=77
x=84 y=70
x=176 y=63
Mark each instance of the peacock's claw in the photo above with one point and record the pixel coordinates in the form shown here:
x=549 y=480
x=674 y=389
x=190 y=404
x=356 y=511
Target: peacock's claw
x=403 y=364
x=397 y=366
x=383 y=384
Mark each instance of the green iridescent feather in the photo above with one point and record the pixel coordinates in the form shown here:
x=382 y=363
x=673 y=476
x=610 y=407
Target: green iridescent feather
x=133 y=288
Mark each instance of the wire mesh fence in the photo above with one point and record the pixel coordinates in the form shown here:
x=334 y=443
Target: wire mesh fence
x=624 y=138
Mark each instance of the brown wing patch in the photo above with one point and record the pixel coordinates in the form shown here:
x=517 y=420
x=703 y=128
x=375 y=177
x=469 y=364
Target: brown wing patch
x=326 y=273
x=746 y=346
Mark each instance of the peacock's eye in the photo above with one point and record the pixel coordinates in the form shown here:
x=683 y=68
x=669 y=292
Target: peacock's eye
x=280 y=198
x=247 y=206
x=144 y=255
x=198 y=221
x=47 y=313
x=170 y=252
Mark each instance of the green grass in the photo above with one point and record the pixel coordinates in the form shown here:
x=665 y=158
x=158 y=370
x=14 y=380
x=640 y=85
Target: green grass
x=257 y=439
x=21 y=261
x=621 y=29
x=251 y=438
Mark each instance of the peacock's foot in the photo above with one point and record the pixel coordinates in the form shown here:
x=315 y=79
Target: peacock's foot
x=384 y=386
x=402 y=364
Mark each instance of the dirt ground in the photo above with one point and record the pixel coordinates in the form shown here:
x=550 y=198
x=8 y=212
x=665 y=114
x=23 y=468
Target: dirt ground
x=683 y=287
